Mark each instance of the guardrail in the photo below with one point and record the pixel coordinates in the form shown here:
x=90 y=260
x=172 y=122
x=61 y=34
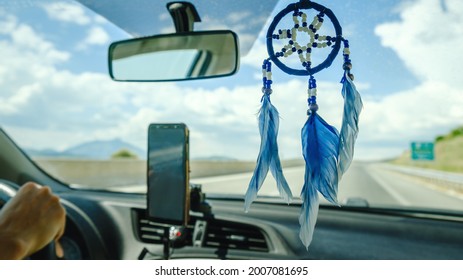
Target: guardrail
x=442 y=178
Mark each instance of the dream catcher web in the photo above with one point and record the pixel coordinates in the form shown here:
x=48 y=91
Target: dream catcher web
x=298 y=50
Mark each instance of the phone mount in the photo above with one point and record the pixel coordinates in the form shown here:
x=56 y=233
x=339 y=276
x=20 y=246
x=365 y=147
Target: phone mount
x=177 y=236
x=198 y=200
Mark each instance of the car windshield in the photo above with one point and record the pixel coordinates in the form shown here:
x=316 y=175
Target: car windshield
x=59 y=104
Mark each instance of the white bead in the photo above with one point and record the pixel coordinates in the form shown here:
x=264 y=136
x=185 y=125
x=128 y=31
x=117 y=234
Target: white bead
x=269 y=75
x=293 y=34
x=304 y=48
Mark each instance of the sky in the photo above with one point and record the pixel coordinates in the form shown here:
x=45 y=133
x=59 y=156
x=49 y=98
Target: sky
x=55 y=91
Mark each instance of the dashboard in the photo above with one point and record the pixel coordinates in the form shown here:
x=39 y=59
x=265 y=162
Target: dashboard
x=114 y=226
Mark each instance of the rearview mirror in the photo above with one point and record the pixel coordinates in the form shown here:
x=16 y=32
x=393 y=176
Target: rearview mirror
x=174 y=57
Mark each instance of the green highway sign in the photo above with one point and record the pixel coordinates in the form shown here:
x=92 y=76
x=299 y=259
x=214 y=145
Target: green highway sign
x=422 y=151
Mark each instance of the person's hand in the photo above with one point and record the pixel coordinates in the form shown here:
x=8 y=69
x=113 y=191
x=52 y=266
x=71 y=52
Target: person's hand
x=29 y=221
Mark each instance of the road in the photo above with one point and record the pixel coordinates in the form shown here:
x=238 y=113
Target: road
x=376 y=183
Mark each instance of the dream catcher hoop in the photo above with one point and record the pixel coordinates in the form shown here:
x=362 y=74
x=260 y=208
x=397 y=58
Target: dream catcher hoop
x=327 y=152
x=310 y=29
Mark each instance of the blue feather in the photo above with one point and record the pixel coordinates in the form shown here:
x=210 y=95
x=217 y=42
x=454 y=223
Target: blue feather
x=309 y=211
x=349 y=130
x=268 y=155
x=320 y=143
x=319 y=146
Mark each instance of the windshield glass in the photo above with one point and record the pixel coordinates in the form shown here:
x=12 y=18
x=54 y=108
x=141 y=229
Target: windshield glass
x=59 y=104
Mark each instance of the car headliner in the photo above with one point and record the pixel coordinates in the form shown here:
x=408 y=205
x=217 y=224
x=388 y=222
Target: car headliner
x=147 y=17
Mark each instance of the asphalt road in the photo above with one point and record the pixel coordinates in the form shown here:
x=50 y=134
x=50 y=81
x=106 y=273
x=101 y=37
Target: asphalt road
x=374 y=182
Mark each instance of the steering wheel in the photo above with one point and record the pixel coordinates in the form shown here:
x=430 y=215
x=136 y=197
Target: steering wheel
x=8 y=189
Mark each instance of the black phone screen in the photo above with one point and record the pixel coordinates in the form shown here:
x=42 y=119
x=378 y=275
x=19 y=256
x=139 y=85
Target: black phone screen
x=168 y=197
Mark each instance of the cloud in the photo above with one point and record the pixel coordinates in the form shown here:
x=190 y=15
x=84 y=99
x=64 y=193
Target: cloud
x=428 y=38
x=95 y=36
x=67 y=12
x=76 y=14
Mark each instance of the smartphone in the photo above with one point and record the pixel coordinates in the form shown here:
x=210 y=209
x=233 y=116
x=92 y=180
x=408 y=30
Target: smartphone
x=168 y=173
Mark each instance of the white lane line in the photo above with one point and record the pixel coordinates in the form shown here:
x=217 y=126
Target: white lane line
x=387 y=187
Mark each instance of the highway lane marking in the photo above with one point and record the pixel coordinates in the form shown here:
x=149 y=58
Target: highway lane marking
x=387 y=187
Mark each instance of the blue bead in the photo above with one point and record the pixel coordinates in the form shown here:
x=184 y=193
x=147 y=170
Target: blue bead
x=294 y=49
x=296 y=25
x=316 y=36
x=304 y=64
x=288 y=33
x=299 y=51
x=283 y=49
x=279 y=31
x=314 y=45
x=304 y=24
x=291 y=42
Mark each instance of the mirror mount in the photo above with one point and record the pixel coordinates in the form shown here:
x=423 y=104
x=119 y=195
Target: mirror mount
x=184 y=15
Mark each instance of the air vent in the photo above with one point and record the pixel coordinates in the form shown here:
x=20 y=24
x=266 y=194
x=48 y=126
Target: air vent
x=149 y=232
x=146 y=231
x=229 y=235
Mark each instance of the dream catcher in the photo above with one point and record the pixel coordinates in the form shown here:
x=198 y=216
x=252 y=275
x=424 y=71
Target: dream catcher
x=327 y=153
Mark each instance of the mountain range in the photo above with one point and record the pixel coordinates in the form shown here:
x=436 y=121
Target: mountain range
x=101 y=149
